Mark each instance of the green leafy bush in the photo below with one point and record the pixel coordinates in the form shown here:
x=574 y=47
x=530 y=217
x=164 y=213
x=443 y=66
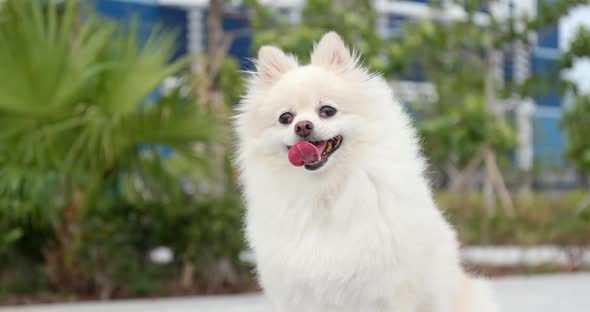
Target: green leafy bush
x=576 y=122
x=540 y=219
x=85 y=192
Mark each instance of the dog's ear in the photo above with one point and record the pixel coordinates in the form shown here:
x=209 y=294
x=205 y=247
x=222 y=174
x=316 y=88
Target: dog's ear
x=331 y=52
x=273 y=63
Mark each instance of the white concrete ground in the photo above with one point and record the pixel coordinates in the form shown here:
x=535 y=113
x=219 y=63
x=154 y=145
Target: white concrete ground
x=548 y=293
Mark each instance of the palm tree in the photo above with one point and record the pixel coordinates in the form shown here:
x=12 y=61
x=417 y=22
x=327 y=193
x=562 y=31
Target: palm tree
x=78 y=114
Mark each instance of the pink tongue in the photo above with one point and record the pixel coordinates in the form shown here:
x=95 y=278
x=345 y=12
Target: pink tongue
x=303 y=152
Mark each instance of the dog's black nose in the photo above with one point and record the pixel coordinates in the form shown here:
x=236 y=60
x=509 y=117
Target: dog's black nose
x=303 y=128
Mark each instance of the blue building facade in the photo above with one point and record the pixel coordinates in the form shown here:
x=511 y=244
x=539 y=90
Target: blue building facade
x=188 y=19
x=148 y=14
x=548 y=136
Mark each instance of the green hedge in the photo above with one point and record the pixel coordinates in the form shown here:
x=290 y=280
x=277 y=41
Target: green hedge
x=85 y=190
x=109 y=255
x=114 y=242
x=540 y=219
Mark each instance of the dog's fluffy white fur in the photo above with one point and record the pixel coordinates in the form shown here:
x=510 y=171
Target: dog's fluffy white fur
x=362 y=233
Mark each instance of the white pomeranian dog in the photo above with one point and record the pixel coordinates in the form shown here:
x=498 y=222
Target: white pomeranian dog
x=339 y=213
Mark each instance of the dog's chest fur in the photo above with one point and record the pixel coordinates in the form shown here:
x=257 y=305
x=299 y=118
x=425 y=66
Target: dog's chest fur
x=341 y=245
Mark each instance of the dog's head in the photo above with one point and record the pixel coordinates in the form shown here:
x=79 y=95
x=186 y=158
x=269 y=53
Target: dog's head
x=333 y=103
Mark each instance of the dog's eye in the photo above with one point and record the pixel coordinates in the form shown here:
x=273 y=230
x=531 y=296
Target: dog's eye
x=327 y=111
x=286 y=118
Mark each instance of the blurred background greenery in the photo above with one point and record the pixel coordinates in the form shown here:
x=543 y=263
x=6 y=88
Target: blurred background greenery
x=115 y=142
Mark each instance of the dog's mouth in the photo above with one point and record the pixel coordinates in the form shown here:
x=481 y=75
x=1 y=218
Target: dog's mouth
x=313 y=154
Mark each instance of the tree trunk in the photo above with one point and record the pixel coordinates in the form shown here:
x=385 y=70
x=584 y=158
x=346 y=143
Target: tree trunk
x=493 y=174
x=490 y=102
x=585 y=203
x=105 y=286
x=61 y=258
x=496 y=180
x=219 y=273
x=488 y=190
x=467 y=174
x=187 y=275
x=217 y=49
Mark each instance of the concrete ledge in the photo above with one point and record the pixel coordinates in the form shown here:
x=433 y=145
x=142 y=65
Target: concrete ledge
x=526 y=256
x=545 y=293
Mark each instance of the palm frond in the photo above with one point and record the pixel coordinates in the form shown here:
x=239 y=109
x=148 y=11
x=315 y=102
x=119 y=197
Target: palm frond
x=46 y=68
x=76 y=102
